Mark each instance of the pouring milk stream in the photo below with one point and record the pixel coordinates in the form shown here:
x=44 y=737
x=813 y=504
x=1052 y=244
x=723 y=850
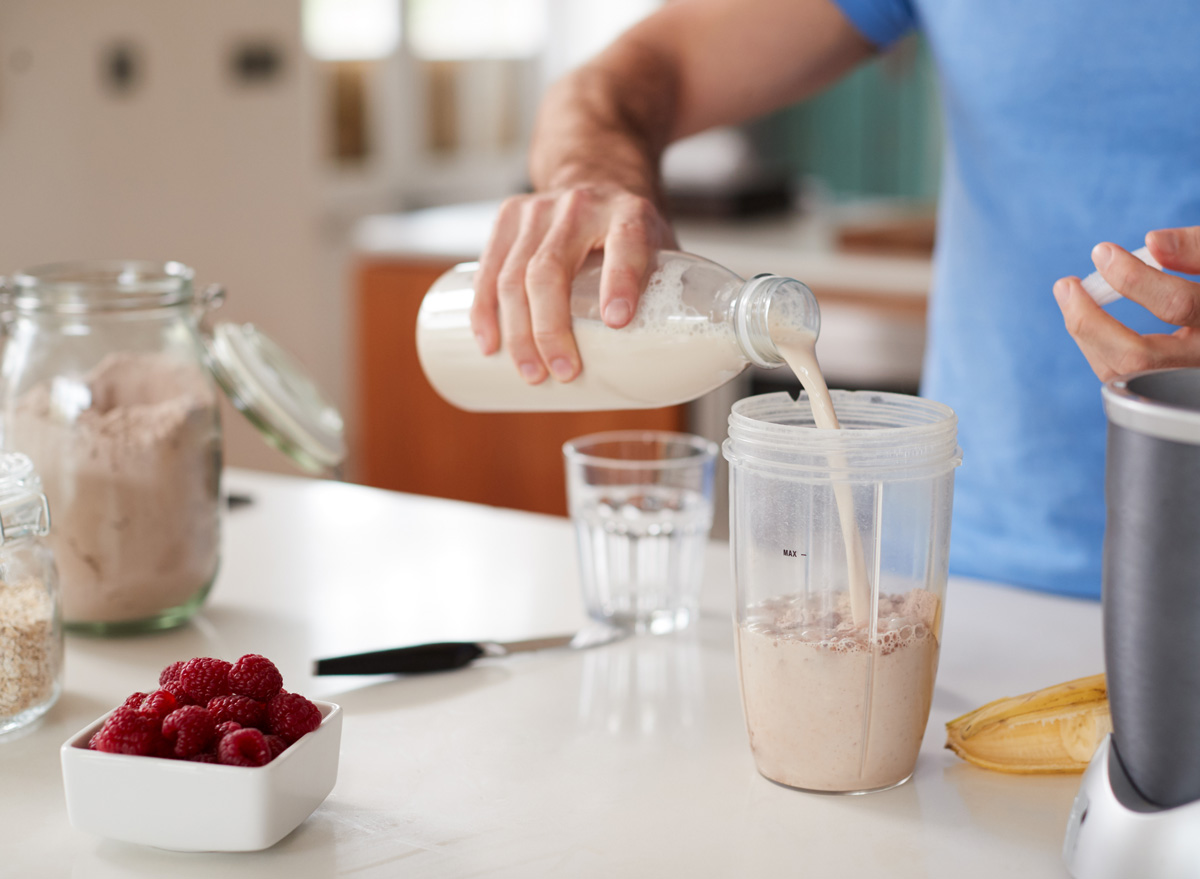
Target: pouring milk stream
x=697 y=326
x=867 y=661
x=799 y=351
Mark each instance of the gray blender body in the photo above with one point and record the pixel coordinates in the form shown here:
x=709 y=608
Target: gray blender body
x=1137 y=812
x=1151 y=585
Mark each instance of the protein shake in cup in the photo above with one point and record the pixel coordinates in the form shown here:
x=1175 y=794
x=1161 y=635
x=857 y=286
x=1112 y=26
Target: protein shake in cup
x=840 y=541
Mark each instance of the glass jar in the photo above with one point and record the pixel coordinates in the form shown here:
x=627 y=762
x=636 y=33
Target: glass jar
x=30 y=629
x=108 y=385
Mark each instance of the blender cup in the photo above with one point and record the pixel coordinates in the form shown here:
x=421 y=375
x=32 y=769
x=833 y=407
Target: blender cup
x=840 y=543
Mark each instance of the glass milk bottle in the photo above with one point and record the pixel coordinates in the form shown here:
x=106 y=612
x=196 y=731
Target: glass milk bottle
x=697 y=326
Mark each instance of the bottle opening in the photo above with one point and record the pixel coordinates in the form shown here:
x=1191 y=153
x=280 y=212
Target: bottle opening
x=769 y=305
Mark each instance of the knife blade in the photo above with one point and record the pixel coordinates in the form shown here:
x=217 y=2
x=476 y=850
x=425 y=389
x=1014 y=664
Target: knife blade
x=447 y=655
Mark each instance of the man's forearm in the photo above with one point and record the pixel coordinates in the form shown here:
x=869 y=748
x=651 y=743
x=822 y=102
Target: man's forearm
x=608 y=122
x=688 y=67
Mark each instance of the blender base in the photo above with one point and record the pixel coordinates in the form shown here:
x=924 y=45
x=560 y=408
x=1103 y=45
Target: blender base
x=1114 y=833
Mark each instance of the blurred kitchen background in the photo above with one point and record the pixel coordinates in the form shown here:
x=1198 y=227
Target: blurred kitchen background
x=326 y=159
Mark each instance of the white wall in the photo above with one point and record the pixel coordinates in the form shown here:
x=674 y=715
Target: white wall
x=191 y=165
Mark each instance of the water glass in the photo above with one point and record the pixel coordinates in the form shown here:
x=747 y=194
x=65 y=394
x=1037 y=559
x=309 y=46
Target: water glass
x=642 y=506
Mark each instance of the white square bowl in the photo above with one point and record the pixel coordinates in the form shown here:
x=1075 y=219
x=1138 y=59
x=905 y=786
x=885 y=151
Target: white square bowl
x=197 y=807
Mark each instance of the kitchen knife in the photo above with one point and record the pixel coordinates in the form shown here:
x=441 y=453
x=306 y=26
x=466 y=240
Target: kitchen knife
x=446 y=655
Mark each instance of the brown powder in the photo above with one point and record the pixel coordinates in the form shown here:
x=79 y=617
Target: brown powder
x=30 y=653
x=132 y=481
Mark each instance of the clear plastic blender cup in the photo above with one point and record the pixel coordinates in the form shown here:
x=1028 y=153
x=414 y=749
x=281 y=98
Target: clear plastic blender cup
x=837 y=668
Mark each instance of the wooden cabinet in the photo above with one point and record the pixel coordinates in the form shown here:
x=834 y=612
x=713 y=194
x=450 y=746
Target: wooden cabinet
x=409 y=439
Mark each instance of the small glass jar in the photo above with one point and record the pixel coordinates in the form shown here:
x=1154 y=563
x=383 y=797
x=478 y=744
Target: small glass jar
x=31 y=643
x=110 y=386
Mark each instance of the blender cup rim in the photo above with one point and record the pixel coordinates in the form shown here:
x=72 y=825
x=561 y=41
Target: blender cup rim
x=916 y=439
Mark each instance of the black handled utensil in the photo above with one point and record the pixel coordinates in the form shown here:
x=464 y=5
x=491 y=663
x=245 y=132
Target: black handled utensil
x=447 y=655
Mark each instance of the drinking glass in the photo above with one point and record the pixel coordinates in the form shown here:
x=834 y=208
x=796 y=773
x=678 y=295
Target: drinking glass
x=641 y=502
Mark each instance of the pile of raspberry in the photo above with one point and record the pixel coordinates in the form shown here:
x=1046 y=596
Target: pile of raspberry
x=208 y=710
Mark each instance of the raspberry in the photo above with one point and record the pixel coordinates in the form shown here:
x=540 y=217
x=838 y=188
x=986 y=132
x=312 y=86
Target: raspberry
x=189 y=730
x=128 y=732
x=207 y=710
x=226 y=727
x=246 y=747
x=171 y=672
x=203 y=678
x=243 y=709
x=158 y=704
x=277 y=745
x=291 y=716
x=255 y=676
x=176 y=689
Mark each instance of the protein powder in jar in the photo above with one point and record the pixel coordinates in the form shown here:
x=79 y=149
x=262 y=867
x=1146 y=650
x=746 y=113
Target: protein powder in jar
x=111 y=386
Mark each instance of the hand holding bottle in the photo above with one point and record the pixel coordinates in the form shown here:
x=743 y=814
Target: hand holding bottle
x=594 y=158
x=539 y=243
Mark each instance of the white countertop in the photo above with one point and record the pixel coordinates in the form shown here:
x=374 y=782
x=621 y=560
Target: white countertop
x=625 y=760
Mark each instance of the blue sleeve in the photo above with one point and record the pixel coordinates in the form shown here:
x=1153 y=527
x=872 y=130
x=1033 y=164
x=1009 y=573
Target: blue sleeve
x=880 y=21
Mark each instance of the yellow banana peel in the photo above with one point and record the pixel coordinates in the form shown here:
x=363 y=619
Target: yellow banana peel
x=1055 y=729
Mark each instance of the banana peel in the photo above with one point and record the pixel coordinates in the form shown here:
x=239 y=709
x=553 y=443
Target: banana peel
x=1055 y=729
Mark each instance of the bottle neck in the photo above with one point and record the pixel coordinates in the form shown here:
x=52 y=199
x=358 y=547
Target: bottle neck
x=772 y=302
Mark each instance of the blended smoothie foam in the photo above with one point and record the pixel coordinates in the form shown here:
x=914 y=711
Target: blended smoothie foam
x=831 y=706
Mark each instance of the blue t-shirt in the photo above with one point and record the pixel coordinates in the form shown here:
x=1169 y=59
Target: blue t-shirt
x=1068 y=122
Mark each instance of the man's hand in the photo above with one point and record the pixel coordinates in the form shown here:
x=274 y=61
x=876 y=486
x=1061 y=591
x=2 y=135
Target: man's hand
x=1112 y=348
x=594 y=157
x=539 y=243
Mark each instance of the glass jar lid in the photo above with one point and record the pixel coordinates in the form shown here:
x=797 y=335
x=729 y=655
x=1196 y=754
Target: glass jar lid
x=277 y=396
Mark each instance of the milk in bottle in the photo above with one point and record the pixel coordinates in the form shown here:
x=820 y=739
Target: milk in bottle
x=697 y=326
